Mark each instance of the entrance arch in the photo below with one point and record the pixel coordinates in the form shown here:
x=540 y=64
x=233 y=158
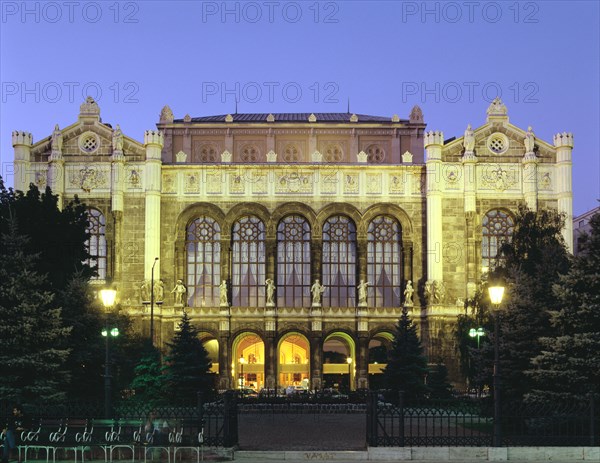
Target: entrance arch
x=211 y=344
x=339 y=361
x=379 y=346
x=293 y=352
x=248 y=361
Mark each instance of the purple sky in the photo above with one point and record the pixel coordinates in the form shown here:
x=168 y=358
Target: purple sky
x=451 y=58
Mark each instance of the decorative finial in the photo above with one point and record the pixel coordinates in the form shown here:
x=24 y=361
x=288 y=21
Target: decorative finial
x=416 y=115
x=166 y=115
x=497 y=108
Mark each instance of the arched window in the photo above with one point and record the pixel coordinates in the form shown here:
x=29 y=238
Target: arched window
x=293 y=262
x=497 y=228
x=203 y=261
x=248 y=262
x=96 y=243
x=384 y=262
x=339 y=262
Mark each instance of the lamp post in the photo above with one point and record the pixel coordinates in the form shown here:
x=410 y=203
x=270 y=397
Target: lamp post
x=349 y=361
x=476 y=333
x=108 y=299
x=242 y=361
x=496 y=293
x=152 y=301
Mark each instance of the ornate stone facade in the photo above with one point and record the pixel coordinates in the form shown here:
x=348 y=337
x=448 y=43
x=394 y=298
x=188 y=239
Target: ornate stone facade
x=228 y=203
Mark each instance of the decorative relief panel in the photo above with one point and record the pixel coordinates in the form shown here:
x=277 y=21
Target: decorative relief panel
x=214 y=183
x=452 y=175
x=497 y=177
x=351 y=183
x=419 y=183
x=294 y=182
x=545 y=181
x=260 y=185
x=169 y=182
x=237 y=183
x=40 y=179
x=191 y=182
x=134 y=178
x=374 y=183
x=396 y=183
x=87 y=178
x=328 y=181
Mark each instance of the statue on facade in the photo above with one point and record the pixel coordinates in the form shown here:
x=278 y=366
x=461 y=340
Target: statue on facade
x=159 y=291
x=270 y=291
x=439 y=291
x=117 y=139
x=223 y=294
x=529 y=140
x=428 y=291
x=179 y=291
x=317 y=289
x=363 y=287
x=408 y=294
x=145 y=290
x=56 y=143
x=469 y=140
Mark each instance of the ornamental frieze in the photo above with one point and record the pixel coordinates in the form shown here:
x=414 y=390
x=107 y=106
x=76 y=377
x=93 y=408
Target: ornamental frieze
x=88 y=178
x=499 y=178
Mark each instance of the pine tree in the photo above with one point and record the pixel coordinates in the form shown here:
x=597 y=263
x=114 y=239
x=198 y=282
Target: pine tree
x=533 y=261
x=188 y=365
x=149 y=381
x=407 y=365
x=438 y=384
x=31 y=329
x=569 y=365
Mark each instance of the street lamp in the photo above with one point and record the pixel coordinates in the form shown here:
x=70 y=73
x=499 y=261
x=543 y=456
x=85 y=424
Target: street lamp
x=242 y=361
x=349 y=362
x=496 y=293
x=108 y=299
x=476 y=333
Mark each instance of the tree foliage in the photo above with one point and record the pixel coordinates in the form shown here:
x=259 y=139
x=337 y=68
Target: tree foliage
x=148 y=383
x=569 y=365
x=407 y=366
x=188 y=365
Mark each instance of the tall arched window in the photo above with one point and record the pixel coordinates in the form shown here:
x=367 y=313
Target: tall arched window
x=497 y=228
x=96 y=243
x=248 y=262
x=293 y=262
x=339 y=262
x=384 y=262
x=203 y=261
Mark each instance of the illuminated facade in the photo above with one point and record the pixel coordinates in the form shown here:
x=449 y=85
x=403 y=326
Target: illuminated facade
x=250 y=210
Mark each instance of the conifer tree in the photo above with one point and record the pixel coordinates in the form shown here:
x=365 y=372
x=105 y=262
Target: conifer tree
x=31 y=359
x=407 y=365
x=569 y=365
x=188 y=365
x=149 y=381
x=438 y=384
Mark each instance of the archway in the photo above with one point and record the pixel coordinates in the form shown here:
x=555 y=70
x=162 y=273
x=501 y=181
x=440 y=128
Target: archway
x=248 y=361
x=339 y=361
x=211 y=344
x=293 y=352
x=379 y=346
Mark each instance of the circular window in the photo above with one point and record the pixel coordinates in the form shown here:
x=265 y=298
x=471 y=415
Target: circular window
x=89 y=142
x=375 y=154
x=333 y=153
x=497 y=143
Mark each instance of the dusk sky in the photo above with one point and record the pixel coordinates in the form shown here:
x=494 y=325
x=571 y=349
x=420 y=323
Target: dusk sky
x=451 y=58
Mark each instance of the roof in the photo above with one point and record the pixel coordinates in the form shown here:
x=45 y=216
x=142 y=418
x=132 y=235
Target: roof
x=292 y=117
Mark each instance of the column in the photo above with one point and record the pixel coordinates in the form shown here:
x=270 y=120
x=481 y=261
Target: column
x=153 y=142
x=564 y=182
x=433 y=147
x=21 y=142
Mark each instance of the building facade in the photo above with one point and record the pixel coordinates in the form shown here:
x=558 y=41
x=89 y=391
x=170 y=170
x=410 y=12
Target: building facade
x=581 y=225
x=293 y=241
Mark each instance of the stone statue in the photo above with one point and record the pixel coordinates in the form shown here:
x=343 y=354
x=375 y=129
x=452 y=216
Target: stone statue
x=428 y=291
x=159 y=291
x=317 y=289
x=497 y=108
x=408 y=294
x=223 y=293
x=363 y=287
x=57 y=139
x=439 y=291
x=529 y=140
x=145 y=290
x=270 y=291
x=117 y=139
x=469 y=140
x=179 y=291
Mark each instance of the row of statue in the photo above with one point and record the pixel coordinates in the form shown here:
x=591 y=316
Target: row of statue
x=469 y=140
x=56 y=140
x=317 y=290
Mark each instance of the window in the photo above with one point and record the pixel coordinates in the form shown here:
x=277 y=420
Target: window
x=375 y=154
x=293 y=262
x=96 y=243
x=250 y=153
x=203 y=262
x=497 y=228
x=248 y=262
x=339 y=262
x=384 y=262
x=333 y=153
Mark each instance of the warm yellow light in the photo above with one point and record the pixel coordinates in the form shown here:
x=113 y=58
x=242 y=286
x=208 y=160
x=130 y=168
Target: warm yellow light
x=108 y=297
x=349 y=360
x=496 y=293
x=242 y=360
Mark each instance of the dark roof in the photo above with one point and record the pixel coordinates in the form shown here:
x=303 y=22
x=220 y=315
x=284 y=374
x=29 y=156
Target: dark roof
x=292 y=117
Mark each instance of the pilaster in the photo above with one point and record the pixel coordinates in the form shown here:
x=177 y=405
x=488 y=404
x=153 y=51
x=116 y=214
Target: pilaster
x=153 y=142
x=433 y=147
x=564 y=173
